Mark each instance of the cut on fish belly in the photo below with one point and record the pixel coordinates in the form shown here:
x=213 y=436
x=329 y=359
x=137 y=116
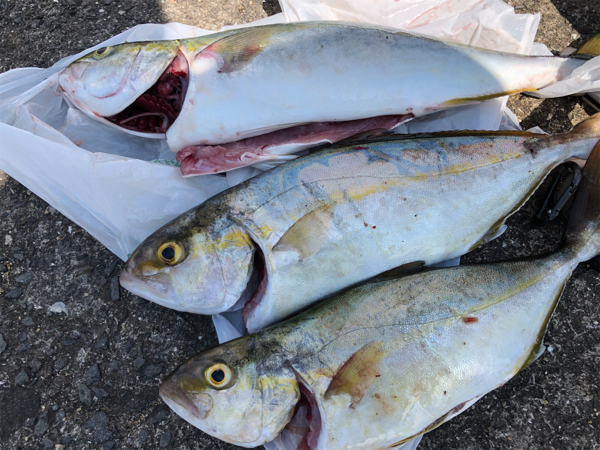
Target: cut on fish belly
x=207 y=159
x=386 y=361
x=341 y=215
x=216 y=91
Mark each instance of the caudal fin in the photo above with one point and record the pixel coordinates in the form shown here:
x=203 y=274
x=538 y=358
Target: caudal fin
x=590 y=49
x=583 y=232
x=590 y=127
x=582 y=138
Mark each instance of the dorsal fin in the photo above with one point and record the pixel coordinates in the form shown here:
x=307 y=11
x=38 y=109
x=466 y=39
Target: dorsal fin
x=358 y=373
x=397 y=272
x=375 y=136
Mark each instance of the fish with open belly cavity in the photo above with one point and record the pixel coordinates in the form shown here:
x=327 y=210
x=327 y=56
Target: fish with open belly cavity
x=386 y=361
x=243 y=96
x=283 y=240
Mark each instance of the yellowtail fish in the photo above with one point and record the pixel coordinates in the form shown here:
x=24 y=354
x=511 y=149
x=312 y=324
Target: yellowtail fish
x=239 y=97
x=303 y=231
x=386 y=361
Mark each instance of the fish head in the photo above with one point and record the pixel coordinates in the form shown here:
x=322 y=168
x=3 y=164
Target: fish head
x=106 y=81
x=198 y=269
x=234 y=393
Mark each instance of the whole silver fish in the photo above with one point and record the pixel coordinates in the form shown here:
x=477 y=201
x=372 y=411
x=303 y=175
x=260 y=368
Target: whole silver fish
x=226 y=87
x=281 y=241
x=386 y=361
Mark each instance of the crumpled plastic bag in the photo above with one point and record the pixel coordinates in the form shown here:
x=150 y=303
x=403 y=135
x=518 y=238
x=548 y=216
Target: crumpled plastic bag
x=120 y=188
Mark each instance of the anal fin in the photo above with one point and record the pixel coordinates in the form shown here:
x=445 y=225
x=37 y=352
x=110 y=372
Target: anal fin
x=458 y=409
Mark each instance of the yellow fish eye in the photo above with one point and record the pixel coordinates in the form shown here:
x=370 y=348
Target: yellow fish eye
x=218 y=376
x=102 y=52
x=170 y=253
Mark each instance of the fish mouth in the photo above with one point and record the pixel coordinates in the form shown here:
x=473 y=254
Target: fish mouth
x=156 y=109
x=154 y=292
x=180 y=402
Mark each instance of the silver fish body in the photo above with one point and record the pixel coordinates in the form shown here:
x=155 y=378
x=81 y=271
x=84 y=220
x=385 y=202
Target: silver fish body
x=317 y=225
x=252 y=81
x=282 y=75
x=387 y=361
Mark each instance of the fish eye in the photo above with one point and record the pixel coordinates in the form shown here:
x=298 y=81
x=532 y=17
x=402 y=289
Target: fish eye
x=170 y=253
x=101 y=52
x=218 y=376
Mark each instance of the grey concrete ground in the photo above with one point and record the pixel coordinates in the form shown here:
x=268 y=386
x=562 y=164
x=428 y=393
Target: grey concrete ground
x=85 y=375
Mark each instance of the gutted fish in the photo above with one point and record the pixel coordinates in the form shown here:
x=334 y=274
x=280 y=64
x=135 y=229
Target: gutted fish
x=294 y=85
x=281 y=241
x=386 y=361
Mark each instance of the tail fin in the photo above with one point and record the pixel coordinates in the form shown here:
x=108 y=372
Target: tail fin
x=583 y=232
x=582 y=138
x=590 y=49
x=590 y=127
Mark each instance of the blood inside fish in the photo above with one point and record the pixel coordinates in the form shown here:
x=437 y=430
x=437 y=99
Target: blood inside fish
x=156 y=109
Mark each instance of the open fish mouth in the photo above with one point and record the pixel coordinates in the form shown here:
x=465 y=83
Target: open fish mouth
x=156 y=109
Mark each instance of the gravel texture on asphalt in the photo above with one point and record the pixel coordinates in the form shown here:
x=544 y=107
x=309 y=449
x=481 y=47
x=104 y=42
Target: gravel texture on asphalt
x=81 y=359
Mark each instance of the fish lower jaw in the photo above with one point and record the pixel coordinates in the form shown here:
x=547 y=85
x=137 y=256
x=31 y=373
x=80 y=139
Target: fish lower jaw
x=144 y=290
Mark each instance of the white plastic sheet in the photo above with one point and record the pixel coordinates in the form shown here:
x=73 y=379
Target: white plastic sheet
x=121 y=188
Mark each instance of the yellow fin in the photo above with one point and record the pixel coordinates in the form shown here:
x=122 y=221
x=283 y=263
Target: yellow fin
x=194 y=44
x=539 y=348
x=309 y=234
x=588 y=127
x=496 y=231
x=449 y=415
x=238 y=49
x=590 y=49
x=371 y=137
x=358 y=373
x=481 y=98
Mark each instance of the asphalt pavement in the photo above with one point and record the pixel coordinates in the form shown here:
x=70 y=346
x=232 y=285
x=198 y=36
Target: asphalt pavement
x=81 y=359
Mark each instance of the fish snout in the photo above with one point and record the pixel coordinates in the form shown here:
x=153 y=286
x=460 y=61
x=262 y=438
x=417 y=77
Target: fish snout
x=197 y=404
x=153 y=287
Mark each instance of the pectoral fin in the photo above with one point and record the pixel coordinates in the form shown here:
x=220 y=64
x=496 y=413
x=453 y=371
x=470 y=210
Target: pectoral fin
x=358 y=373
x=237 y=50
x=458 y=409
x=309 y=234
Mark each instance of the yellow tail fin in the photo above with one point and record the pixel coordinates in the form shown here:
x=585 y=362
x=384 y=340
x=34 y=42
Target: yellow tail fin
x=590 y=49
